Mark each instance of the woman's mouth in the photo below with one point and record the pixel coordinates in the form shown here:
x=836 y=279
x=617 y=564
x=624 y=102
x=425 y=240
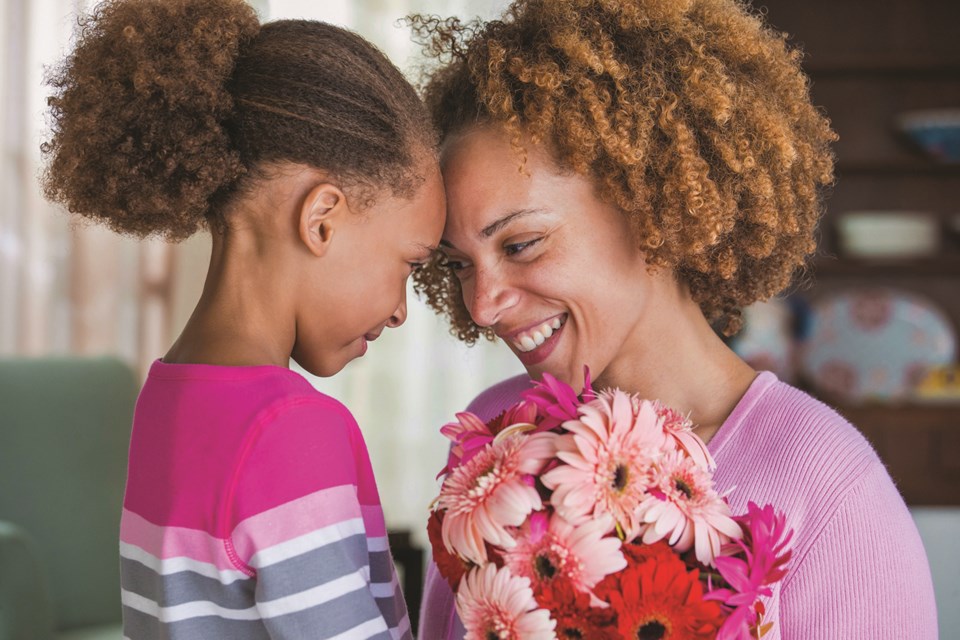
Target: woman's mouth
x=534 y=344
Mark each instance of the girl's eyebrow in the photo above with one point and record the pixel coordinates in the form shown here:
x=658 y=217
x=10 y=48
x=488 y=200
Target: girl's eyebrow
x=426 y=249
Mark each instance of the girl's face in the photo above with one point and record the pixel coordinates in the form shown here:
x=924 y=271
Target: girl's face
x=361 y=289
x=552 y=269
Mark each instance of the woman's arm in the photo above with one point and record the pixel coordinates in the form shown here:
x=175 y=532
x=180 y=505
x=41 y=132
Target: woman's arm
x=866 y=576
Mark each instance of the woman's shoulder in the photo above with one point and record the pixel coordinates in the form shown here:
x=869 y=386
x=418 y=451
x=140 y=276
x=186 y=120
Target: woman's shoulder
x=775 y=415
x=794 y=451
x=498 y=397
x=797 y=419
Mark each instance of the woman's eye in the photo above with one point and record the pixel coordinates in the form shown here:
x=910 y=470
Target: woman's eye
x=514 y=248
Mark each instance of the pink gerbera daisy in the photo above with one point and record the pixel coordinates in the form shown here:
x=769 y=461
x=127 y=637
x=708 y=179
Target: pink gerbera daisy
x=491 y=492
x=679 y=430
x=765 y=551
x=608 y=454
x=494 y=604
x=550 y=549
x=555 y=400
x=684 y=508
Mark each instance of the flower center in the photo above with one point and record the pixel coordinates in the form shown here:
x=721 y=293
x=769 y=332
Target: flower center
x=544 y=567
x=683 y=487
x=620 y=476
x=573 y=634
x=653 y=630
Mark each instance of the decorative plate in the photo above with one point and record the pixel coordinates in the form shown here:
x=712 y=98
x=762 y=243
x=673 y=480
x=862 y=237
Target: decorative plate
x=765 y=342
x=875 y=344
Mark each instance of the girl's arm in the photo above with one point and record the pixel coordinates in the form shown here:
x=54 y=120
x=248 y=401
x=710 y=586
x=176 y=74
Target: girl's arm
x=319 y=558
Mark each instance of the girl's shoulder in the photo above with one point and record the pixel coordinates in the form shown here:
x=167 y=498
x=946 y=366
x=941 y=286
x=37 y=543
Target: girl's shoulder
x=498 y=397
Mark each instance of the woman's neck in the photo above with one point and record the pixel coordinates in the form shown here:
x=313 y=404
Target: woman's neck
x=690 y=369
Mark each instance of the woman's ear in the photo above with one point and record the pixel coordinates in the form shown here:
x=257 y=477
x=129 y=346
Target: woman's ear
x=321 y=214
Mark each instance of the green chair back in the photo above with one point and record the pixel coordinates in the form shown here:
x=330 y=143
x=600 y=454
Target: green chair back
x=64 y=437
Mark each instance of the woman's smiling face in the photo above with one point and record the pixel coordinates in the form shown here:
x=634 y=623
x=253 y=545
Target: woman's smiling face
x=552 y=269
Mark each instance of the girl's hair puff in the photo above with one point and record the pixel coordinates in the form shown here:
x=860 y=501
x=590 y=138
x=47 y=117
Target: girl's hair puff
x=692 y=116
x=168 y=109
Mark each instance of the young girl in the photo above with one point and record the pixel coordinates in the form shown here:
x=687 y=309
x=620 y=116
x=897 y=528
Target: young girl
x=672 y=167
x=251 y=509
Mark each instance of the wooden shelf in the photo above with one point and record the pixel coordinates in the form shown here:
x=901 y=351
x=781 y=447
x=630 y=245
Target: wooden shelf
x=938 y=267
x=895 y=168
x=920 y=444
x=878 y=66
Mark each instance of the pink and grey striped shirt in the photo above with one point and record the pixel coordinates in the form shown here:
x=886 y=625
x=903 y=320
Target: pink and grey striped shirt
x=251 y=512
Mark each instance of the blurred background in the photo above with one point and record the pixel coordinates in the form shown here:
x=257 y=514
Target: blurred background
x=872 y=331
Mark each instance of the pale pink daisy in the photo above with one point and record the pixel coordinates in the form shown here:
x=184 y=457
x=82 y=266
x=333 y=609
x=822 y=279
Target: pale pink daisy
x=550 y=548
x=494 y=604
x=490 y=492
x=469 y=434
x=679 y=430
x=684 y=509
x=608 y=454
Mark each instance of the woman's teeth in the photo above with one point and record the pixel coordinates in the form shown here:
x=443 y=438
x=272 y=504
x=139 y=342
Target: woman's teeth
x=533 y=338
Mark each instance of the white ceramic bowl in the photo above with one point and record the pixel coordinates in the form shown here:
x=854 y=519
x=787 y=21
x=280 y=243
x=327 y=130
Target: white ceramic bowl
x=936 y=131
x=888 y=234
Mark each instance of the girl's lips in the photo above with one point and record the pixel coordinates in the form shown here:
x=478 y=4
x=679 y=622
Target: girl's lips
x=365 y=340
x=542 y=352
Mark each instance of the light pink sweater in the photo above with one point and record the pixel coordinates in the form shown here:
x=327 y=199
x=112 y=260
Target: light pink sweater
x=858 y=569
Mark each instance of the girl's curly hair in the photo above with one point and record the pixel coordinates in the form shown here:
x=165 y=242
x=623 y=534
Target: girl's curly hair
x=692 y=116
x=167 y=109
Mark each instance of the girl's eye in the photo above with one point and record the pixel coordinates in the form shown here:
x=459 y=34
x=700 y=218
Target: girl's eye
x=454 y=264
x=514 y=248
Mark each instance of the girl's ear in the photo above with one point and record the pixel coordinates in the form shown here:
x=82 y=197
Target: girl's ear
x=321 y=214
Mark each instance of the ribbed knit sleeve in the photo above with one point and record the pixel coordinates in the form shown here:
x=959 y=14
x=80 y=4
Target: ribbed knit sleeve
x=865 y=575
x=859 y=570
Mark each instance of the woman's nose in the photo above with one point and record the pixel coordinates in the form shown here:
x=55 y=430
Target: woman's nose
x=400 y=315
x=487 y=296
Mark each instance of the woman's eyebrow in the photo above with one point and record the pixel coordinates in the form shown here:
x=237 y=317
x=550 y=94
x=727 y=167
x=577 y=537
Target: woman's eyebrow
x=498 y=224
x=503 y=221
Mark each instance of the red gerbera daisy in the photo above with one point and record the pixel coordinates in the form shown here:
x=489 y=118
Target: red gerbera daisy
x=656 y=598
x=520 y=413
x=450 y=565
x=576 y=619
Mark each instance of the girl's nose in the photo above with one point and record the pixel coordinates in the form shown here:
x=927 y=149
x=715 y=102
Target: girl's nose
x=400 y=315
x=487 y=296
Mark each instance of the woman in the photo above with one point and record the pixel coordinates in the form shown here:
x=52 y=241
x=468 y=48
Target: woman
x=622 y=178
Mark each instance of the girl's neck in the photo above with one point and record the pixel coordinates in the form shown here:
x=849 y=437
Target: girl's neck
x=240 y=317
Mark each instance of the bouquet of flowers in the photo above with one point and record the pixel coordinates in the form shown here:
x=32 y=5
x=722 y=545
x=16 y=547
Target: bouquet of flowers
x=595 y=517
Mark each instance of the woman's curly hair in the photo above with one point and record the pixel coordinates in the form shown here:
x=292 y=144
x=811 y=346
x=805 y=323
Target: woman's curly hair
x=167 y=109
x=692 y=116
